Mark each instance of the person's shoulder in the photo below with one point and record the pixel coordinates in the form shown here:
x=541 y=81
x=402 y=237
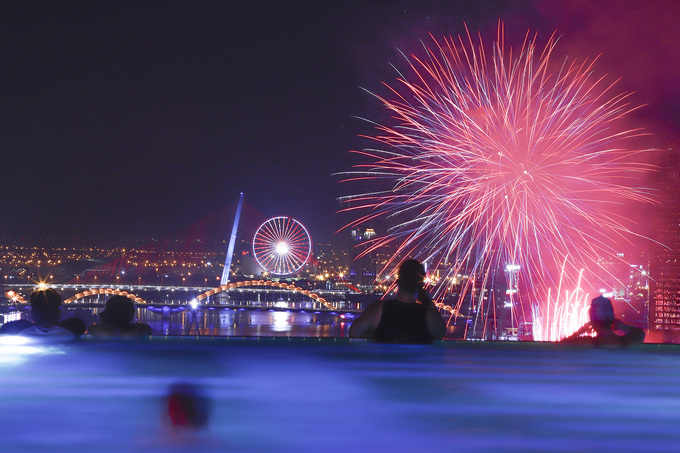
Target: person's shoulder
x=52 y=333
x=74 y=324
x=14 y=327
x=139 y=329
x=101 y=331
x=363 y=326
x=375 y=307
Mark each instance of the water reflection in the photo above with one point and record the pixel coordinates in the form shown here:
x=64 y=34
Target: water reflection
x=236 y=322
x=15 y=349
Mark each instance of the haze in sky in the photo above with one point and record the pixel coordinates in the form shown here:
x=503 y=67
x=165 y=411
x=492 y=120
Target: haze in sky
x=138 y=119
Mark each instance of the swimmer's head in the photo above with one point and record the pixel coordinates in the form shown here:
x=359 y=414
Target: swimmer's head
x=119 y=311
x=46 y=307
x=187 y=406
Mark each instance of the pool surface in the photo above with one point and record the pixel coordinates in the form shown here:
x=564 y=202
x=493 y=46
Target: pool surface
x=296 y=395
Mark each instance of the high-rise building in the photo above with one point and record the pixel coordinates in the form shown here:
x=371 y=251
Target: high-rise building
x=664 y=299
x=364 y=266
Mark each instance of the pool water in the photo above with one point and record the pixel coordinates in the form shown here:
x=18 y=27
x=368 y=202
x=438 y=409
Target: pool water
x=311 y=395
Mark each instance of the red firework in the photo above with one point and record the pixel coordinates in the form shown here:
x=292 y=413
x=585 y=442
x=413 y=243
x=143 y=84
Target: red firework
x=493 y=158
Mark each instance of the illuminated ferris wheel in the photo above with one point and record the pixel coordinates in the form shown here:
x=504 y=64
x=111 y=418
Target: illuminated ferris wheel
x=282 y=245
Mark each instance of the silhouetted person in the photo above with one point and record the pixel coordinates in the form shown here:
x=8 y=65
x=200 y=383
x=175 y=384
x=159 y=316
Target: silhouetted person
x=45 y=312
x=409 y=318
x=116 y=321
x=605 y=326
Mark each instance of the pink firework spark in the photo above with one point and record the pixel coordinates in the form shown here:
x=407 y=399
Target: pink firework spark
x=562 y=313
x=494 y=157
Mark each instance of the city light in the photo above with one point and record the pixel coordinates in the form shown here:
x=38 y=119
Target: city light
x=282 y=248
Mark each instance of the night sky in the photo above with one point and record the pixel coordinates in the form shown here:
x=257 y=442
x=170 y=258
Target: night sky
x=136 y=119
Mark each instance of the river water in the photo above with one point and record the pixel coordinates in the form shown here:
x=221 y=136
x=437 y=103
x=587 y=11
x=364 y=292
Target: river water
x=235 y=322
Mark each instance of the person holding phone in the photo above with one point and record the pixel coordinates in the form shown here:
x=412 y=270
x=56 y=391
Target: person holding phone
x=410 y=317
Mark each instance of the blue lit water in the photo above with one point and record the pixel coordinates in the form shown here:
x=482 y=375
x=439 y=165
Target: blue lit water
x=297 y=395
x=236 y=322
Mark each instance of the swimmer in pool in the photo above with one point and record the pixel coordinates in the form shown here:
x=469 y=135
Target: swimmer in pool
x=45 y=312
x=116 y=321
x=410 y=317
x=608 y=330
x=187 y=407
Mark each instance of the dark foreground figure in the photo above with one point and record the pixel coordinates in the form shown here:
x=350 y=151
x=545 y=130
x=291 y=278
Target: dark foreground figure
x=45 y=313
x=409 y=318
x=608 y=330
x=116 y=321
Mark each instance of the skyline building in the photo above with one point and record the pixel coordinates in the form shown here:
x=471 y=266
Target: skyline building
x=363 y=269
x=664 y=300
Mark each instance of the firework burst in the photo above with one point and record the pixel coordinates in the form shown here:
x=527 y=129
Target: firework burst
x=496 y=156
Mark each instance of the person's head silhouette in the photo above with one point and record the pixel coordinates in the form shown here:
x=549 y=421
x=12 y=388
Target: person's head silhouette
x=46 y=307
x=119 y=312
x=411 y=276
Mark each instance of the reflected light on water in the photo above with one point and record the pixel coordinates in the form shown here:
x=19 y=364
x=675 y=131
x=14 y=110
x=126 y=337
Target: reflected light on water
x=281 y=321
x=15 y=349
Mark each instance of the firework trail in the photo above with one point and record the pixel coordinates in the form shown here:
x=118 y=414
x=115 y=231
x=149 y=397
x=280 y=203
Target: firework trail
x=492 y=158
x=562 y=313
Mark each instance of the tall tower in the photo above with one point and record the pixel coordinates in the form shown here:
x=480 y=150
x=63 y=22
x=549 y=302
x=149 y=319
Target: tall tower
x=664 y=299
x=232 y=241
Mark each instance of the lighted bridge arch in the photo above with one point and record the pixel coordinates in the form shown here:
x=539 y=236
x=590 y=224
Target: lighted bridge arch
x=15 y=297
x=271 y=284
x=109 y=291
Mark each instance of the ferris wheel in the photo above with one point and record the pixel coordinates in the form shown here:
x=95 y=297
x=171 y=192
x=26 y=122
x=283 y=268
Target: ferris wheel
x=282 y=245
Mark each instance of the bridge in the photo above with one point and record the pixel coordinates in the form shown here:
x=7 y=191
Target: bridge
x=243 y=294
